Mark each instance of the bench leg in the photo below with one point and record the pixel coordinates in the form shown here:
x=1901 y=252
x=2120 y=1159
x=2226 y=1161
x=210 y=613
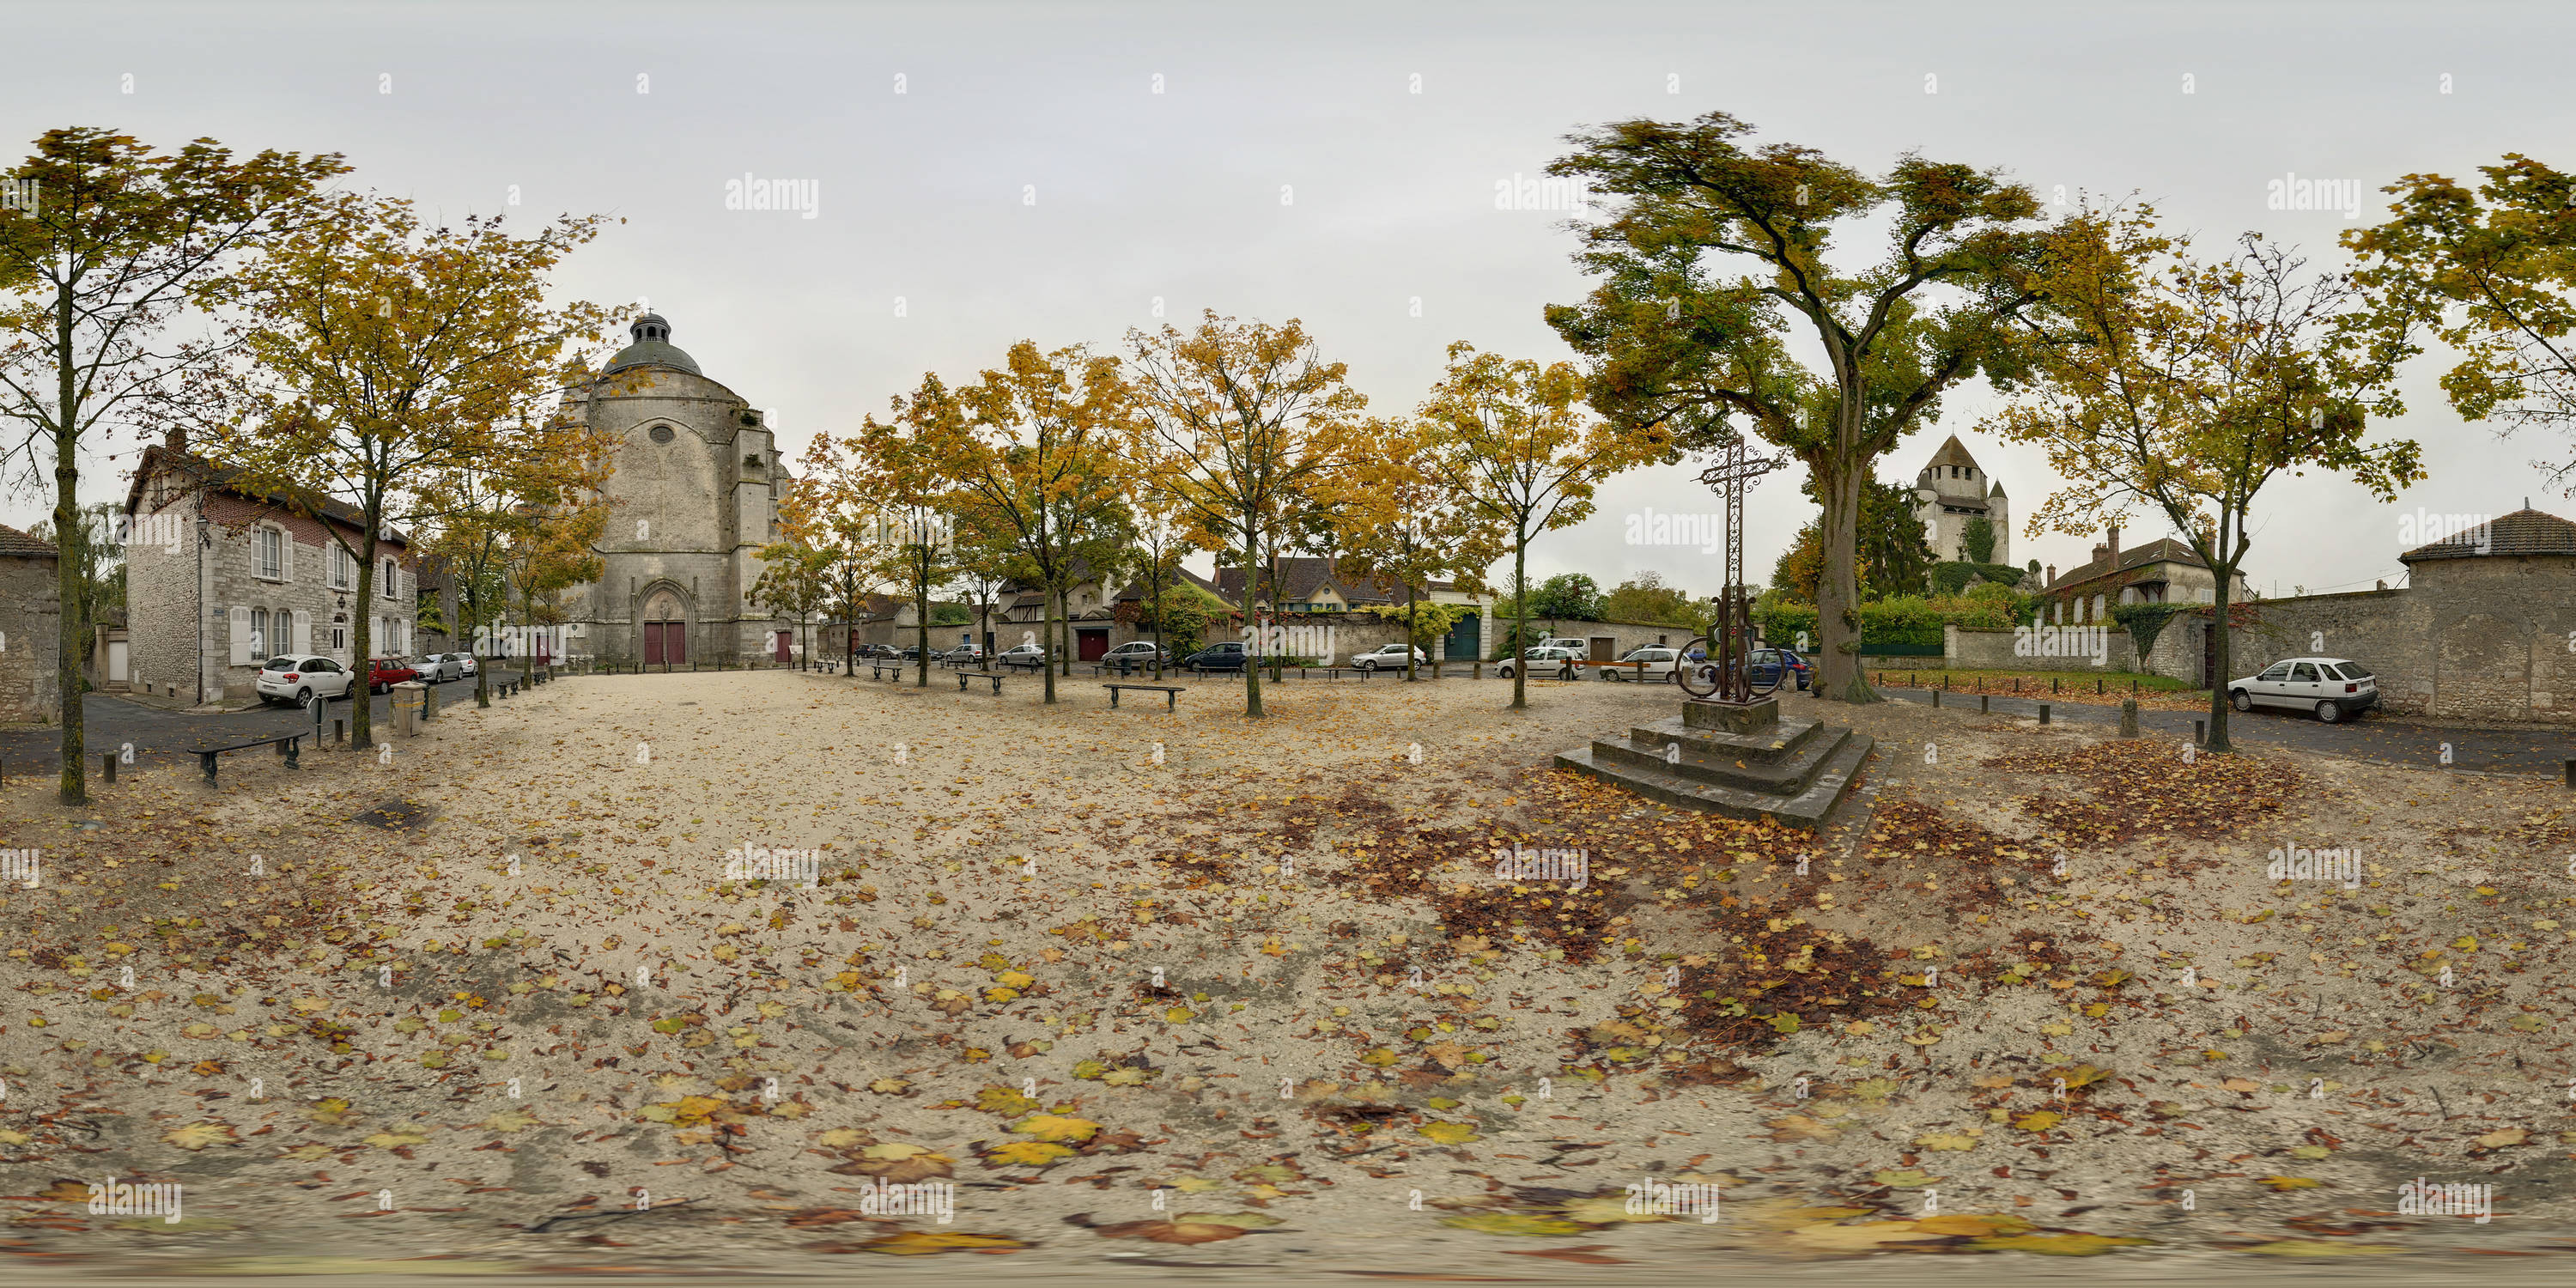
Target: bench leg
x=206 y=762
x=293 y=748
x=1171 y=702
x=1113 y=699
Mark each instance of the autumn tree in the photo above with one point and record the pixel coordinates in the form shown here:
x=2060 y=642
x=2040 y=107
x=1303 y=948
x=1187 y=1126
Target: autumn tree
x=836 y=524
x=1398 y=524
x=1158 y=522
x=1031 y=450
x=505 y=510
x=2488 y=274
x=1510 y=442
x=794 y=571
x=1251 y=420
x=1720 y=252
x=104 y=246
x=2185 y=386
x=385 y=353
x=900 y=467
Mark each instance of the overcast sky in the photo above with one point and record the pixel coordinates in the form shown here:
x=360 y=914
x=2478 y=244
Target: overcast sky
x=1010 y=171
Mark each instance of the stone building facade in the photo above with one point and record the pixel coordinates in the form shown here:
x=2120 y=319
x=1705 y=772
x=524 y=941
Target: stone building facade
x=1949 y=493
x=692 y=498
x=218 y=579
x=31 y=623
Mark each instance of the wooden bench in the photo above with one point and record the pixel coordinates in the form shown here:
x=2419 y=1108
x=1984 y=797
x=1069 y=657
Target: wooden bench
x=287 y=744
x=1171 y=693
x=995 y=676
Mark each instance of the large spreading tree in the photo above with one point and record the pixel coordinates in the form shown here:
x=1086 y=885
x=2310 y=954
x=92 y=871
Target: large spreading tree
x=1718 y=256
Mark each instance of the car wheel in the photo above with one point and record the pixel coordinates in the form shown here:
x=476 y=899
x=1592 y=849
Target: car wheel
x=2242 y=700
x=304 y=697
x=2329 y=713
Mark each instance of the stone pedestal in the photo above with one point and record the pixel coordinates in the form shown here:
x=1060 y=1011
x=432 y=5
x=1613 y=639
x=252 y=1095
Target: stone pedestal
x=1731 y=717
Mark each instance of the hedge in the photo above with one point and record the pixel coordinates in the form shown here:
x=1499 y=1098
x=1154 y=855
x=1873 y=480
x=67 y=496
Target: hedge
x=1902 y=619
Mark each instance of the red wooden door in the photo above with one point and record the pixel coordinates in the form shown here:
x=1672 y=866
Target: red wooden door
x=780 y=653
x=675 y=643
x=652 y=643
x=1093 y=643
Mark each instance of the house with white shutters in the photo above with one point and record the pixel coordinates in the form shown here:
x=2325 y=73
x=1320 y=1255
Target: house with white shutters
x=219 y=577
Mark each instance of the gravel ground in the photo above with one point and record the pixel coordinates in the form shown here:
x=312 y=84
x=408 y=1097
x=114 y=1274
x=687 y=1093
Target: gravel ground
x=1129 y=984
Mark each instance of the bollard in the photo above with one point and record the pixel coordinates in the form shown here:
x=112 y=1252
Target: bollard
x=2043 y=713
x=339 y=731
x=2097 y=686
x=1936 y=698
x=2129 y=718
x=1982 y=700
x=1480 y=671
x=2571 y=773
x=107 y=762
x=2053 y=682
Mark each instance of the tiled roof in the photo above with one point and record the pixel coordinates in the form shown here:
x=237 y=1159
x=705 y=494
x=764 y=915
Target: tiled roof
x=18 y=545
x=2523 y=532
x=160 y=456
x=2160 y=550
x=1953 y=452
x=1300 y=576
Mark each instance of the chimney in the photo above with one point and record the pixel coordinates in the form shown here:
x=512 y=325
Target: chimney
x=2115 y=543
x=2100 y=552
x=177 y=439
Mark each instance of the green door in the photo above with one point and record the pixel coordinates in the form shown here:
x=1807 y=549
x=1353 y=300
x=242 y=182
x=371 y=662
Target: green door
x=1461 y=644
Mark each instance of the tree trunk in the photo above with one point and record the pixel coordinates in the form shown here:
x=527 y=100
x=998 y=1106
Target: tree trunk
x=482 y=663
x=1838 y=594
x=362 y=686
x=2218 y=708
x=1251 y=586
x=1520 y=611
x=921 y=611
x=1410 y=672
x=1048 y=601
x=74 y=788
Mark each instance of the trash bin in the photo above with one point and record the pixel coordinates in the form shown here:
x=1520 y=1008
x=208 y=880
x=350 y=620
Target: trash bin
x=409 y=698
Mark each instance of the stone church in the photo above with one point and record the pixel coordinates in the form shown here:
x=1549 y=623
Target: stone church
x=692 y=499
x=1949 y=492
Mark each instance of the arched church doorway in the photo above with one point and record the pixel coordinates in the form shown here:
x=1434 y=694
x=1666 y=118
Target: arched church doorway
x=666 y=630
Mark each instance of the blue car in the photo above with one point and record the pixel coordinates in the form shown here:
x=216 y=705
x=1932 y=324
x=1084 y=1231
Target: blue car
x=1766 y=665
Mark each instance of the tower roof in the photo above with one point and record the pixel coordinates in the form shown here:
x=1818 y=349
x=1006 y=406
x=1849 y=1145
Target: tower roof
x=1996 y=490
x=652 y=348
x=1952 y=452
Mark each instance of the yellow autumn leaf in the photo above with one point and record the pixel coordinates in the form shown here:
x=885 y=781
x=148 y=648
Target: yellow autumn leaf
x=1027 y=1153
x=2507 y=1136
x=1057 y=1127
x=1129 y=1076
x=1522 y=1223
x=2039 y=1120
x=843 y=1137
x=398 y=1137
x=923 y=1243
x=2069 y=1244
x=332 y=1111
x=510 y=1120
x=894 y=1151
x=1946 y=1142
x=196 y=1136
x=1004 y=1101
x=889 y=1086
x=1449 y=1133
x=2287 y=1183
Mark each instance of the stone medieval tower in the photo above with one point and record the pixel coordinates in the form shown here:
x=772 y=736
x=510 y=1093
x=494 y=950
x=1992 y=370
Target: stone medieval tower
x=692 y=499
x=1950 y=491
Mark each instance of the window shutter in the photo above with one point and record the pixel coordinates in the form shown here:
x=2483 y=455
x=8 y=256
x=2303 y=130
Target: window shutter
x=286 y=556
x=238 y=616
x=303 y=631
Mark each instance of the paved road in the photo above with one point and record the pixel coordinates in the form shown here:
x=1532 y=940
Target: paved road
x=161 y=736
x=2367 y=737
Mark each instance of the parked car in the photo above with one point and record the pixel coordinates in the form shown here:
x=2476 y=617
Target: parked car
x=435 y=667
x=1136 y=653
x=1766 y=663
x=1560 y=662
x=962 y=655
x=1031 y=656
x=2332 y=687
x=1579 y=646
x=1649 y=664
x=302 y=678
x=1391 y=656
x=383 y=673
x=466 y=668
x=1228 y=656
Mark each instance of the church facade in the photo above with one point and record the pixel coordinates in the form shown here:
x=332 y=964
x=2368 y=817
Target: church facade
x=1949 y=493
x=692 y=498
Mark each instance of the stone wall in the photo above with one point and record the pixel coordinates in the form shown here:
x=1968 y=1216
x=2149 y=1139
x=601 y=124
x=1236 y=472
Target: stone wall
x=31 y=621
x=1969 y=650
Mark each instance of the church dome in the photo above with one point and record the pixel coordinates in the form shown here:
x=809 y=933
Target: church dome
x=652 y=348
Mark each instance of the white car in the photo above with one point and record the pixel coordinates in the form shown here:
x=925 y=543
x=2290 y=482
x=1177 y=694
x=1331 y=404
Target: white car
x=1548 y=661
x=465 y=663
x=303 y=678
x=2332 y=687
x=1390 y=656
x=435 y=667
x=1031 y=656
x=1649 y=664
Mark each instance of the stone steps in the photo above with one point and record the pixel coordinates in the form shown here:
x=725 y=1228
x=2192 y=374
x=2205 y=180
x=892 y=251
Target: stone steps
x=1806 y=806
x=1782 y=773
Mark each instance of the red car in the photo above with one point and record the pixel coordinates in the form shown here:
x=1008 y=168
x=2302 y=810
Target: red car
x=385 y=672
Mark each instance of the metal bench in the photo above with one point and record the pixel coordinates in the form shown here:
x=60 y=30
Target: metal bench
x=879 y=667
x=995 y=676
x=1171 y=693
x=287 y=744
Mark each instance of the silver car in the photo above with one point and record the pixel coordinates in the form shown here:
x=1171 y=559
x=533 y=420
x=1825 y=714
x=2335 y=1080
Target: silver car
x=2332 y=687
x=435 y=667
